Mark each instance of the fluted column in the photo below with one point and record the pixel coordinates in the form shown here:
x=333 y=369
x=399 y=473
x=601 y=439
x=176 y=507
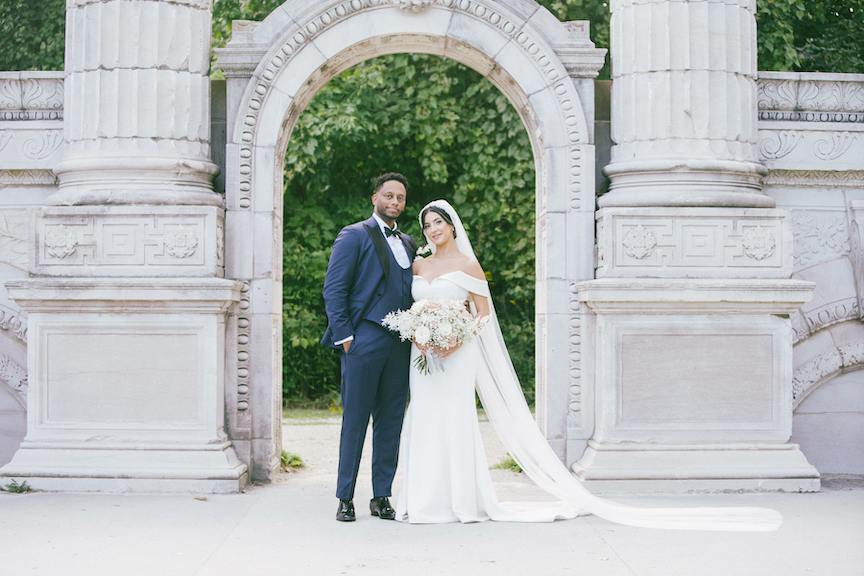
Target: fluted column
x=684 y=104
x=137 y=125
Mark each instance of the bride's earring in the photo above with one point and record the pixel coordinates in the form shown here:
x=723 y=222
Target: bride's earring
x=454 y=232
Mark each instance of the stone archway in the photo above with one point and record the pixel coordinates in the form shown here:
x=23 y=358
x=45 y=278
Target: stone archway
x=274 y=68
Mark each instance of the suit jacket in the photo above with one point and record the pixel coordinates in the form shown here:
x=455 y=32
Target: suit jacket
x=356 y=276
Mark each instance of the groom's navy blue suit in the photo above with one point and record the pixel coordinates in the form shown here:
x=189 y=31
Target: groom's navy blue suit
x=363 y=284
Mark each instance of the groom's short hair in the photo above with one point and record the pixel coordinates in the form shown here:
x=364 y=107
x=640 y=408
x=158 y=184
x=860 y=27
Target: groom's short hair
x=379 y=182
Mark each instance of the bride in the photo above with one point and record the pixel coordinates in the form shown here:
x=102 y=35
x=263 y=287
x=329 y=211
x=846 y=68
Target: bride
x=445 y=476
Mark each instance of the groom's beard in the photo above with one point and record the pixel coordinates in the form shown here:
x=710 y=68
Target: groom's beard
x=387 y=218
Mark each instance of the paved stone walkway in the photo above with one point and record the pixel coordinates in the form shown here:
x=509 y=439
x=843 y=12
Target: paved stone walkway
x=287 y=528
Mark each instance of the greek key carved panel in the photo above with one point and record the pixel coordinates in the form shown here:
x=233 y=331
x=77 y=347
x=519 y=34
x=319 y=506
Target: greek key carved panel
x=173 y=240
x=728 y=246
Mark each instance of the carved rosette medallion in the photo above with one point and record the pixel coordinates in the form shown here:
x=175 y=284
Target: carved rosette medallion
x=181 y=242
x=758 y=243
x=639 y=242
x=60 y=242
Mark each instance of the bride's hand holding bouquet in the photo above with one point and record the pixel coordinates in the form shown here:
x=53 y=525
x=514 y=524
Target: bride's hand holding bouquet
x=438 y=328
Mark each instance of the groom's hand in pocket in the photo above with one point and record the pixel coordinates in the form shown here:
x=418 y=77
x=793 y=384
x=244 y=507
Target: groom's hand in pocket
x=346 y=346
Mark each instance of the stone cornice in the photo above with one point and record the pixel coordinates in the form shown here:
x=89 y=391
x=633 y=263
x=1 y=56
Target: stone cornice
x=811 y=97
x=31 y=96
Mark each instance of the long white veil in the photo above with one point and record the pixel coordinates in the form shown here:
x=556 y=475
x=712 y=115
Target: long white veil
x=505 y=405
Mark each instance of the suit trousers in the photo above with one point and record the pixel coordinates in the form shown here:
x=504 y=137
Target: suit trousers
x=374 y=383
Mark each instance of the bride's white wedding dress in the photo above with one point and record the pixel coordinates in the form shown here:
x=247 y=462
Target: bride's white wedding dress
x=445 y=476
x=444 y=470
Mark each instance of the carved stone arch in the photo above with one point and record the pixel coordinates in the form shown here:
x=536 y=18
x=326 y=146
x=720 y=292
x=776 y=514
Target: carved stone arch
x=545 y=68
x=820 y=370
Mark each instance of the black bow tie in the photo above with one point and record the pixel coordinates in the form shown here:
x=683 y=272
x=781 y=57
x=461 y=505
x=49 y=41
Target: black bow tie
x=390 y=232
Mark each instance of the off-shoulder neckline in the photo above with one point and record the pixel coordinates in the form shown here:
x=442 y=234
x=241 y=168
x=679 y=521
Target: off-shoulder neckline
x=447 y=274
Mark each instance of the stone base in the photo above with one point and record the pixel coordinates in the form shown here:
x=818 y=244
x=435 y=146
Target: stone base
x=211 y=469
x=696 y=468
x=126 y=385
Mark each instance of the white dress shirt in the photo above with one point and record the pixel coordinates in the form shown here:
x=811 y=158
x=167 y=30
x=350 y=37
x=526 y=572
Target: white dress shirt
x=400 y=253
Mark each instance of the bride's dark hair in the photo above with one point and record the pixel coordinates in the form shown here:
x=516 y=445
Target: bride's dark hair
x=441 y=212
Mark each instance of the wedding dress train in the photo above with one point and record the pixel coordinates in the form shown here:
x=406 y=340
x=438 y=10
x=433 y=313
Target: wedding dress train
x=445 y=476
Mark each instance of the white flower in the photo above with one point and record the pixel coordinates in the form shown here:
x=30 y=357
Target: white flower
x=422 y=335
x=418 y=305
x=445 y=329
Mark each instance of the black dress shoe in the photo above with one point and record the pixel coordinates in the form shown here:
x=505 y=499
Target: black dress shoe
x=380 y=506
x=345 y=513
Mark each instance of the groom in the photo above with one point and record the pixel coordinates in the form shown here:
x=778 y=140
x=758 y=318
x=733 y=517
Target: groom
x=369 y=276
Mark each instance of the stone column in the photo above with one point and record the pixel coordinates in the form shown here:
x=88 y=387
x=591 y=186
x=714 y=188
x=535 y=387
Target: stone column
x=126 y=293
x=691 y=301
x=137 y=92
x=684 y=104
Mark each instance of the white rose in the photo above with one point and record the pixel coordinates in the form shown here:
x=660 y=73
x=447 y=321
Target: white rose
x=445 y=329
x=418 y=305
x=422 y=335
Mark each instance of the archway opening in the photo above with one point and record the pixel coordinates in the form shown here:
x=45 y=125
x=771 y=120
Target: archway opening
x=455 y=136
x=279 y=65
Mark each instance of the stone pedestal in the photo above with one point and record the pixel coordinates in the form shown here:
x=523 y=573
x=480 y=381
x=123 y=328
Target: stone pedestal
x=126 y=385
x=693 y=375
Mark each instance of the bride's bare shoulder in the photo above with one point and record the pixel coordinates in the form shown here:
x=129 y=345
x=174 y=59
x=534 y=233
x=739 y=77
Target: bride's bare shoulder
x=418 y=266
x=472 y=268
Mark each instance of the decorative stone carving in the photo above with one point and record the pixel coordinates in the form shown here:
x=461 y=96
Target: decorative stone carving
x=5 y=137
x=808 y=376
x=758 y=243
x=243 y=419
x=815 y=370
x=706 y=242
x=805 y=324
x=220 y=245
x=44 y=145
x=31 y=96
x=14 y=239
x=786 y=140
x=181 y=242
x=14 y=321
x=816 y=178
x=639 y=242
x=27 y=177
x=839 y=145
x=132 y=241
x=807 y=97
x=819 y=236
x=413 y=5
x=15 y=376
x=575 y=353
x=60 y=241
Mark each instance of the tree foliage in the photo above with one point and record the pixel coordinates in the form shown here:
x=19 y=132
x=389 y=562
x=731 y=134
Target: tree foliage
x=32 y=34
x=811 y=35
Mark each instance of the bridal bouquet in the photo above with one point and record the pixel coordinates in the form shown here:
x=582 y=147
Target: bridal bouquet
x=435 y=323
